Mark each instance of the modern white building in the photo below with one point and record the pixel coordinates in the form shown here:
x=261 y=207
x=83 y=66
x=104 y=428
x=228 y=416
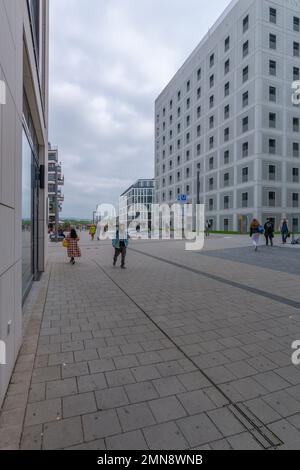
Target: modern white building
x=55 y=182
x=140 y=196
x=23 y=164
x=226 y=130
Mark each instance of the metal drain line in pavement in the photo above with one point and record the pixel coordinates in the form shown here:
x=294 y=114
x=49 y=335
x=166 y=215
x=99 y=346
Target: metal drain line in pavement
x=260 y=432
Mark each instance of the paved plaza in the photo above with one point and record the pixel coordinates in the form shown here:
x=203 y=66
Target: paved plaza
x=182 y=350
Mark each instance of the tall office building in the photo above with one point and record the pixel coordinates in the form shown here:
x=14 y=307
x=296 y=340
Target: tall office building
x=141 y=194
x=227 y=131
x=55 y=183
x=23 y=156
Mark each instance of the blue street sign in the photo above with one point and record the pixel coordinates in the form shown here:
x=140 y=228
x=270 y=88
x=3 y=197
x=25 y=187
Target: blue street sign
x=182 y=198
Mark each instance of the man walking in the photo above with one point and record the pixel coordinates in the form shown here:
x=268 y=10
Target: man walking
x=269 y=232
x=120 y=244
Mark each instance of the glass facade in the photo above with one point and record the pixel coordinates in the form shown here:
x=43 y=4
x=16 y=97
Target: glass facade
x=30 y=200
x=27 y=252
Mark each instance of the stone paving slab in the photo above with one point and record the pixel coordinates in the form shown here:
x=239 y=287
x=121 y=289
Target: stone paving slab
x=152 y=357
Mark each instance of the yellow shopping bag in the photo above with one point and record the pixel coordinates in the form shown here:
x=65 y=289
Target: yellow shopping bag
x=65 y=243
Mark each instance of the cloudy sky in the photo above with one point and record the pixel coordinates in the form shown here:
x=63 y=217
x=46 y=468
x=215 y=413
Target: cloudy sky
x=109 y=60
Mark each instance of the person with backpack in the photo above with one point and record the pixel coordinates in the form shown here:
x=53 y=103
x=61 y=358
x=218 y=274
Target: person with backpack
x=269 y=232
x=284 y=231
x=255 y=230
x=120 y=244
x=72 y=245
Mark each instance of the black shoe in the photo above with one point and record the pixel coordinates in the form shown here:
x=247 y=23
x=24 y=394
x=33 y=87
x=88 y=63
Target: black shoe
x=123 y=267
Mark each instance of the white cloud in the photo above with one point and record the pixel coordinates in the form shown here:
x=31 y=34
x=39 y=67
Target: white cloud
x=109 y=60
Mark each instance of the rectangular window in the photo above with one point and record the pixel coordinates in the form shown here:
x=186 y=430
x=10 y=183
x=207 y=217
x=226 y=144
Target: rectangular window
x=245 y=149
x=211 y=143
x=245 y=124
x=187 y=172
x=272 y=68
x=272 y=146
x=211 y=101
x=198 y=150
x=296 y=124
x=226 y=157
x=226 y=202
x=226 y=89
x=295 y=175
x=188 y=86
x=198 y=130
x=212 y=60
x=226 y=111
x=226 y=134
x=245 y=74
x=296 y=73
x=188 y=103
x=211 y=184
x=178 y=144
x=171 y=104
x=272 y=41
x=198 y=112
x=199 y=74
x=171 y=120
x=295 y=149
x=211 y=122
x=245 y=174
x=272 y=94
x=244 y=199
x=178 y=128
x=273 y=15
x=188 y=137
x=227 y=44
x=226 y=180
x=199 y=93
x=272 y=172
x=188 y=121
x=245 y=48
x=179 y=96
x=272 y=199
x=187 y=155
x=272 y=120
x=246 y=24
x=296 y=49
x=295 y=199
x=227 y=66
x=211 y=204
x=245 y=99
x=211 y=81
x=178 y=112
x=211 y=163
x=296 y=24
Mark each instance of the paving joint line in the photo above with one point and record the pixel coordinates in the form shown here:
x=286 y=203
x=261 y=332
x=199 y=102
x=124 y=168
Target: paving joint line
x=214 y=277
x=260 y=429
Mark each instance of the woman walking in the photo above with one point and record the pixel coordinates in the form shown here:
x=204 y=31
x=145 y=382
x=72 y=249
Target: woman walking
x=255 y=231
x=73 y=247
x=284 y=231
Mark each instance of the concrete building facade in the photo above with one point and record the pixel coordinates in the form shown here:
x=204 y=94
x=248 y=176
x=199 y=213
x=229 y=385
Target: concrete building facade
x=55 y=183
x=141 y=195
x=226 y=130
x=23 y=164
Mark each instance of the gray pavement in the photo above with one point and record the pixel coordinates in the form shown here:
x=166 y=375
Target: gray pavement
x=180 y=351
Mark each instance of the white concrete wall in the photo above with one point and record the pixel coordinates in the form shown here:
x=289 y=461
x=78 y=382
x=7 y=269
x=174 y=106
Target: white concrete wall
x=231 y=24
x=14 y=23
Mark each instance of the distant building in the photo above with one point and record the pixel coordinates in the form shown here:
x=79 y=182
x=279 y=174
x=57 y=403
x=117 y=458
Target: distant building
x=140 y=193
x=55 y=183
x=227 y=131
